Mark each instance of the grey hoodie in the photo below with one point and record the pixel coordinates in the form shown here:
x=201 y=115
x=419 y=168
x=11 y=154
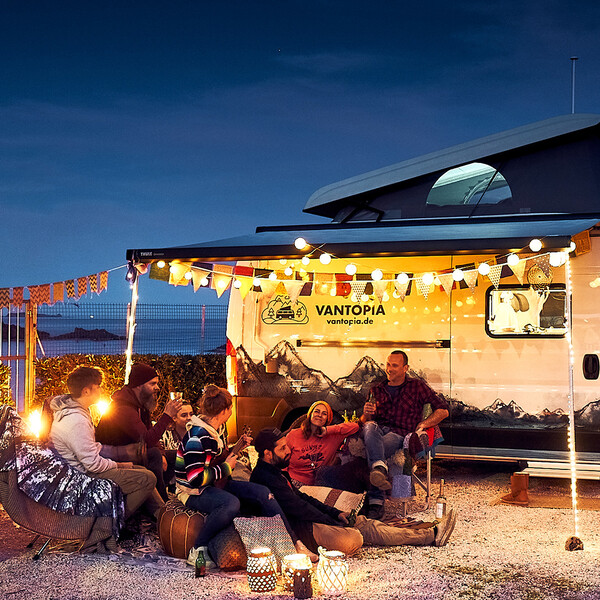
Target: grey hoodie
x=74 y=436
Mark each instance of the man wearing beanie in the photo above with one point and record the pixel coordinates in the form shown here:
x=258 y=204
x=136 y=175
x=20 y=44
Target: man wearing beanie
x=128 y=420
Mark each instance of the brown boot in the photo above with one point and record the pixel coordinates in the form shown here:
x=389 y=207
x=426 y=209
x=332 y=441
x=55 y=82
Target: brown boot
x=519 y=483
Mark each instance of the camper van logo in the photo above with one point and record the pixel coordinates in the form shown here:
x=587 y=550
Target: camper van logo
x=281 y=311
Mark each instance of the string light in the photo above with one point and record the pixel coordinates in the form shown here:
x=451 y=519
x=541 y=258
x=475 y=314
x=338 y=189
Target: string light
x=535 y=245
x=512 y=260
x=283 y=261
x=256 y=282
x=288 y=271
x=572 y=246
x=188 y=275
x=484 y=269
x=377 y=275
x=204 y=282
x=161 y=264
x=237 y=284
x=458 y=275
x=273 y=276
x=427 y=278
x=325 y=258
x=557 y=259
x=402 y=278
x=305 y=261
x=351 y=269
x=300 y=243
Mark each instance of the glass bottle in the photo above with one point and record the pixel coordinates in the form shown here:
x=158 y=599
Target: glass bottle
x=200 y=566
x=440 y=503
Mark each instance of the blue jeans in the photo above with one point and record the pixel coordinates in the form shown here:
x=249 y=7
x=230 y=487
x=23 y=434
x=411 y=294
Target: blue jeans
x=222 y=506
x=380 y=444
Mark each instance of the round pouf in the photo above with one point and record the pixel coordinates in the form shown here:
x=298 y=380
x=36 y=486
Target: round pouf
x=178 y=528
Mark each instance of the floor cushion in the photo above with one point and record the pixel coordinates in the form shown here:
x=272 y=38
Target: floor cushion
x=178 y=528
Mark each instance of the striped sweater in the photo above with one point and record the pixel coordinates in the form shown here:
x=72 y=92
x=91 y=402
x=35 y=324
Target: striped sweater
x=194 y=465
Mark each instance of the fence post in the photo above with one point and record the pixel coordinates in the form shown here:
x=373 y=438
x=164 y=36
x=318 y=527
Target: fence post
x=30 y=353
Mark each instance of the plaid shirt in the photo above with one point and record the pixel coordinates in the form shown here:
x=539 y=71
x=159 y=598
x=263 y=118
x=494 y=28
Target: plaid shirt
x=403 y=414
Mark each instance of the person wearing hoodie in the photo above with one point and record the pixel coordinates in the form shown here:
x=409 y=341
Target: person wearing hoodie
x=128 y=421
x=203 y=474
x=72 y=435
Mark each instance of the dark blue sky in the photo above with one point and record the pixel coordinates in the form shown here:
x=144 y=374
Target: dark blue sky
x=147 y=124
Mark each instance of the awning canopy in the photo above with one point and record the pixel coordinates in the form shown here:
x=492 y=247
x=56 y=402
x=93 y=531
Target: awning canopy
x=410 y=237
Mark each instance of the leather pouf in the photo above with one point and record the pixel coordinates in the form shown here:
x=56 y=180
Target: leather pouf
x=178 y=528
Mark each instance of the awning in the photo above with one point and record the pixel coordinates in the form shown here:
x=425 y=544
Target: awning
x=425 y=237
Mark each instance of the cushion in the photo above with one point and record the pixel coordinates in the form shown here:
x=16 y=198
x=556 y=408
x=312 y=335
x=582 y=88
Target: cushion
x=265 y=531
x=344 y=501
x=178 y=528
x=227 y=550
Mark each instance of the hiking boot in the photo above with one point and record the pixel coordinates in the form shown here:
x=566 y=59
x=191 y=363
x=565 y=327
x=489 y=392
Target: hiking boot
x=193 y=555
x=379 y=478
x=376 y=512
x=445 y=528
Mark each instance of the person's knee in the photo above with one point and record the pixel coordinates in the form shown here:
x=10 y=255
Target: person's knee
x=370 y=428
x=352 y=541
x=231 y=506
x=154 y=458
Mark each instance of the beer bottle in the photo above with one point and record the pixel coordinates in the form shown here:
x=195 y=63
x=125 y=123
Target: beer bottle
x=440 y=503
x=200 y=567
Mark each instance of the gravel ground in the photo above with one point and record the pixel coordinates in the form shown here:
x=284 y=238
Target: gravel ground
x=500 y=552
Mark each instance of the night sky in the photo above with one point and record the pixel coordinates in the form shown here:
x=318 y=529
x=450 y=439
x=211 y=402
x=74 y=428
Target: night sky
x=150 y=124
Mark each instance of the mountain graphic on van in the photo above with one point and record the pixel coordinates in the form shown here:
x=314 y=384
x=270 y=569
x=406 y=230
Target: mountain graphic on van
x=281 y=310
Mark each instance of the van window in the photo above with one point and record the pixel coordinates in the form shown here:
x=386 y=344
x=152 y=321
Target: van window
x=515 y=311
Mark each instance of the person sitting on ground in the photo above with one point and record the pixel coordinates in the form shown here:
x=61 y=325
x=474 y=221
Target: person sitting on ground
x=320 y=525
x=394 y=410
x=72 y=435
x=170 y=440
x=203 y=473
x=128 y=422
x=314 y=447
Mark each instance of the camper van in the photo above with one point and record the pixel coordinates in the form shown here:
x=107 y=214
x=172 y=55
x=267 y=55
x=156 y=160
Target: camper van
x=479 y=261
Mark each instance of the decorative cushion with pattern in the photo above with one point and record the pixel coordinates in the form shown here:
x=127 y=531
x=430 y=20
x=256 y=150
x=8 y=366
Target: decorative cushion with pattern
x=344 y=501
x=227 y=550
x=178 y=528
x=265 y=531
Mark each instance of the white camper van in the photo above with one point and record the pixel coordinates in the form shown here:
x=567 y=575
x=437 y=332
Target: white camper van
x=479 y=261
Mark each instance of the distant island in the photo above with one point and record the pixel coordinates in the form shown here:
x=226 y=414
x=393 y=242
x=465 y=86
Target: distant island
x=98 y=335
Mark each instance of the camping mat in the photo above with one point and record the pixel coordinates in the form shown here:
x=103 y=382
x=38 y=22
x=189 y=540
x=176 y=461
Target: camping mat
x=546 y=501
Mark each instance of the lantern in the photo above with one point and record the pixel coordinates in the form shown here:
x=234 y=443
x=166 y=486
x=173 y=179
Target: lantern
x=261 y=570
x=289 y=564
x=302 y=585
x=332 y=572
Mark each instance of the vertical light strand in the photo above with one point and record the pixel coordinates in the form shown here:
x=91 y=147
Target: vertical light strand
x=571 y=437
x=131 y=327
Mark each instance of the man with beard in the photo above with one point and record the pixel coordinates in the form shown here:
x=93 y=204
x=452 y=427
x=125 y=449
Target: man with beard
x=317 y=524
x=127 y=422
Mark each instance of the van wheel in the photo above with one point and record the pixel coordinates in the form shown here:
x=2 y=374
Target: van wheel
x=293 y=419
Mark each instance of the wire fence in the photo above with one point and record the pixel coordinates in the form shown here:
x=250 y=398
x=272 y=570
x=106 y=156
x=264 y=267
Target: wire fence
x=93 y=328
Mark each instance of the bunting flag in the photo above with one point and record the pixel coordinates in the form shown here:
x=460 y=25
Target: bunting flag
x=342 y=285
x=494 y=274
x=177 y=272
x=4 y=297
x=103 y=280
x=543 y=262
x=308 y=284
x=323 y=283
x=58 y=292
x=293 y=289
x=159 y=273
x=463 y=284
x=379 y=288
x=94 y=283
x=221 y=279
x=268 y=287
x=401 y=288
x=198 y=276
x=17 y=297
x=358 y=288
x=446 y=281
x=70 y=285
x=519 y=270
x=367 y=278
x=34 y=297
x=422 y=287
x=243 y=285
x=82 y=286
x=471 y=279
x=44 y=293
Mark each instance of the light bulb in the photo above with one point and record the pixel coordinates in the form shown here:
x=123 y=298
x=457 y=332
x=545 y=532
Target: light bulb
x=484 y=269
x=427 y=278
x=458 y=275
x=535 y=245
x=364 y=298
x=377 y=275
x=557 y=259
x=572 y=246
x=172 y=269
x=402 y=278
x=237 y=284
x=325 y=258
x=288 y=271
x=256 y=282
x=300 y=243
x=351 y=269
x=512 y=259
x=161 y=264
x=273 y=276
x=305 y=260
x=283 y=261
x=204 y=281
x=188 y=275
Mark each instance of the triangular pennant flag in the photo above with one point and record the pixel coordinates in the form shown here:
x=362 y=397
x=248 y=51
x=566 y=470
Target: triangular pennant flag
x=293 y=289
x=94 y=283
x=70 y=285
x=365 y=277
x=379 y=288
x=268 y=287
x=158 y=273
x=34 y=294
x=446 y=281
x=519 y=270
x=4 y=297
x=17 y=297
x=245 y=284
x=243 y=271
x=44 y=293
x=323 y=283
x=358 y=288
x=82 y=286
x=543 y=262
x=342 y=285
x=221 y=279
x=422 y=287
x=198 y=276
x=103 y=281
x=471 y=279
x=494 y=274
x=308 y=279
x=58 y=292
x=177 y=272
x=401 y=288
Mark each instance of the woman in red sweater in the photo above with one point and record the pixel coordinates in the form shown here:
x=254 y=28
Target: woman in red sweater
x=314 y=446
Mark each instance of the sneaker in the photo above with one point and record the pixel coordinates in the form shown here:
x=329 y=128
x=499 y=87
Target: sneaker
x=193 y=555
x=445 y=528
x=376 y=512
x=379 y=478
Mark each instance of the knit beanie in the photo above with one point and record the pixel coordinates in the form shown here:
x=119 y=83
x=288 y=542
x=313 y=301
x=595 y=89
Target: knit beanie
x=141 y=373
x=315 y=404
x=266 y=439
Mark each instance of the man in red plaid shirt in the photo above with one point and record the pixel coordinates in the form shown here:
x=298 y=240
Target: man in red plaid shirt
x=393 y=410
